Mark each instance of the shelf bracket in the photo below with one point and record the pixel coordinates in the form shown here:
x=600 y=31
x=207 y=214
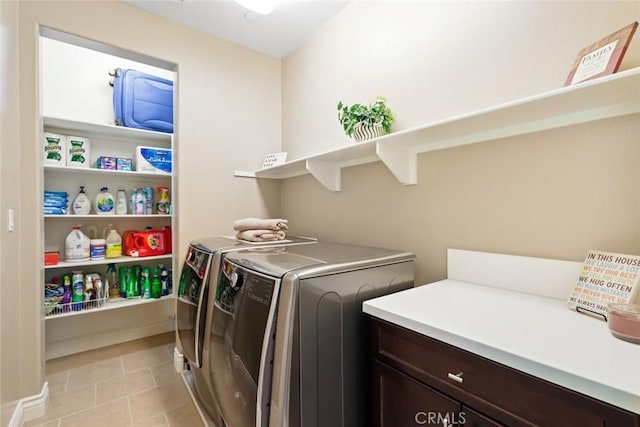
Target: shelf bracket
x=327 y=173
x=399 y=158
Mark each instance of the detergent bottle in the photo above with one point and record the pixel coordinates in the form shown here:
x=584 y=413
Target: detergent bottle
x=149 y=243
x=114 y=244
x=167 y=240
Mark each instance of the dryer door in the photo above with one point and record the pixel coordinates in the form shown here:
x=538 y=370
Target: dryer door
x=191 y=305
x=241 y=344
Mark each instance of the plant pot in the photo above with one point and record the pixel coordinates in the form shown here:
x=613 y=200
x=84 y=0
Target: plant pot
x=365 y=132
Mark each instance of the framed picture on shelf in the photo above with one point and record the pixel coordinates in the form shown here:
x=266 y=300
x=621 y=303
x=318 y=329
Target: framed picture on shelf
x=602 y=57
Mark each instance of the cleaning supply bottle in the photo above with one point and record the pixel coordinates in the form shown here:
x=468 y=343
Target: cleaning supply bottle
x=164 y=279
x=133 y=281
x=114 y=244
x=90 y=292
x=111 y=282
x=156 y=284
x=81 y=204
x=66 y=296
x=123 y=277
x=77 y=290
x=163 y=200
x=104 y=202
x=121 y=202
x=77 y=245
x=146 y=283
x=140 y=203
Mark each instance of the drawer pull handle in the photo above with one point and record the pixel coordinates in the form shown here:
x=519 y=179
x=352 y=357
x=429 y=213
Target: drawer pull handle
x=456 y=377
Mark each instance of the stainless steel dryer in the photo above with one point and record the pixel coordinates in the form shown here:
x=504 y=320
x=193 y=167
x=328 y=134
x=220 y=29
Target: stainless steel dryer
x=288 y=338
x=200 y=271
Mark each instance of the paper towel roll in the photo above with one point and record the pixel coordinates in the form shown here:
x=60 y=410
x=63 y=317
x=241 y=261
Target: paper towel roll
x=54 y=149
x=78 y=152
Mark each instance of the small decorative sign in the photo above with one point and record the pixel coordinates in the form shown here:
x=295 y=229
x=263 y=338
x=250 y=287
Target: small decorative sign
x=601 y=58
x=606 y=277
x=274 y=159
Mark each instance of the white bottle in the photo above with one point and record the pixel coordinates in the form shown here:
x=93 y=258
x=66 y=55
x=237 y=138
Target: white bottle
x=114 y=245
x=77 y=245
x=81 y=204
x=104 y=202
x=140 y=203
x=121 y=203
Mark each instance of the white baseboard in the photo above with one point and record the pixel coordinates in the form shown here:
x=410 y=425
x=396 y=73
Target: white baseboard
x=91 y=342
x=31 y=407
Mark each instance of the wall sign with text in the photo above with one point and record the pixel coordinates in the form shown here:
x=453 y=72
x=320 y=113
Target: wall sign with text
x=274 y=159
x=601 y=58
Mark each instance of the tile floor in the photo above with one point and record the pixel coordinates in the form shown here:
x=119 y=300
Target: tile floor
x=129 y=384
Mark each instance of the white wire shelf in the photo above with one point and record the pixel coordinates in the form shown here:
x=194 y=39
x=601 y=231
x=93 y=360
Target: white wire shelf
x=55 y=311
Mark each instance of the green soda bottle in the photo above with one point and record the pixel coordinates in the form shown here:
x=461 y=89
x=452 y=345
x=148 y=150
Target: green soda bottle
x=156 y=284
x=132 y=281
x=146 y=283
x=124 y=280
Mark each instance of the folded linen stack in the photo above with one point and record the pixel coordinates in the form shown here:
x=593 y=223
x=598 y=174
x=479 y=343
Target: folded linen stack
x=260 y=230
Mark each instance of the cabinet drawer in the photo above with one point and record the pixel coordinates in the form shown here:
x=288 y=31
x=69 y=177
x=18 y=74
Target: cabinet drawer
x=471 y=418
x=403 y=401
x=505 y=394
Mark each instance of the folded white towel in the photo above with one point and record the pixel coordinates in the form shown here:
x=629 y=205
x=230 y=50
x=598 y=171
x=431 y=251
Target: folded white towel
x=275 y=224
x=260 y=235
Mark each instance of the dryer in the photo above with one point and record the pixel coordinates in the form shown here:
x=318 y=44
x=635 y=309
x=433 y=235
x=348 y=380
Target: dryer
x=288 y=339
x=199 y=273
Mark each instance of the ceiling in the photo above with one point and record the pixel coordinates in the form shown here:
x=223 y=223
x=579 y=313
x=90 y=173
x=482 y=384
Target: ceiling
x=277 y=34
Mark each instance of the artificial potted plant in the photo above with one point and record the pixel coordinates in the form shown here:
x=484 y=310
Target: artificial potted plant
x=364 y=122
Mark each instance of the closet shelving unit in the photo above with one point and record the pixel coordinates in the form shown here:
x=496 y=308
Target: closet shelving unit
x=105 y=140
x=610 y=96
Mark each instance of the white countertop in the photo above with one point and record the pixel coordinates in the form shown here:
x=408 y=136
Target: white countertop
x=533 y=334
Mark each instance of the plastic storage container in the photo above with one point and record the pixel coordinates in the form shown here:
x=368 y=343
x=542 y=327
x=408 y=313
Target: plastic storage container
x=97 y=248
x=624 y=321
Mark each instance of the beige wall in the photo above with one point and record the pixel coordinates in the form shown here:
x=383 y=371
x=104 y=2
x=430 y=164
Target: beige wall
x=551 y=194
x=228 y=118
x=555 y=193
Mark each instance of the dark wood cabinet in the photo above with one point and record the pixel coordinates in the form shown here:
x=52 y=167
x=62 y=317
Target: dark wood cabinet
x=415 y=373
x=403 y=401
x=470 y=418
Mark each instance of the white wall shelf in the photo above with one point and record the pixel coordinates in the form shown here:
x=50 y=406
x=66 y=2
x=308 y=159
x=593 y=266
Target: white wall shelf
x=105 y=261
x=106 y=217
x=109 y=131
x=92 y=171
x=606 y=97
